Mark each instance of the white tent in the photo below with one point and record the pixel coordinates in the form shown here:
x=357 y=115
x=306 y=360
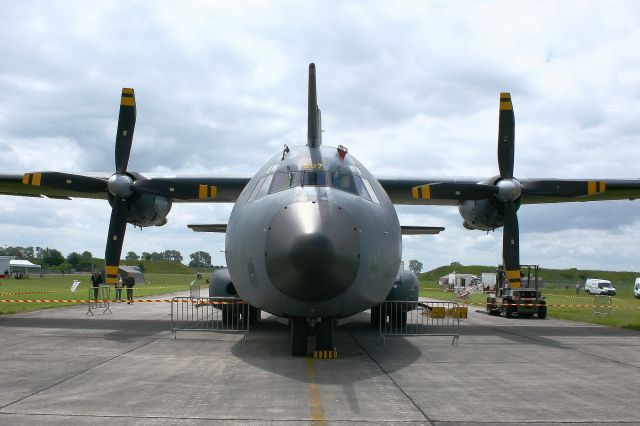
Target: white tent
x=134 y=271
x=23 y=267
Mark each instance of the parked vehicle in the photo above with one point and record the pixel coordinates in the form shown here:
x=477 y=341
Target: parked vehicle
x=636 y=289
x=599 y=287
x=518 y=300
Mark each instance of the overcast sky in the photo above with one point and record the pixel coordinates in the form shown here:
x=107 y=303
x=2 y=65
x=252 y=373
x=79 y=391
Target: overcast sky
x=411 y=88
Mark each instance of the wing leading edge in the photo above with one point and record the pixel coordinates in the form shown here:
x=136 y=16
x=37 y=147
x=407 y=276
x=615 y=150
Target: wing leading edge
x=534 y=191
x=64 y=185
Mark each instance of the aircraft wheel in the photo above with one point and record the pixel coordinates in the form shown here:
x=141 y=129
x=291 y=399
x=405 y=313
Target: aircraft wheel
x=254 y=315
x=375 y=316
x=324 y=334
x=299 y=336
x=230 y=316
x=399 y=318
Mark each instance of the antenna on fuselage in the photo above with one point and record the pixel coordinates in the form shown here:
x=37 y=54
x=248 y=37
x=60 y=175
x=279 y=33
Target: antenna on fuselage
x=314 y=135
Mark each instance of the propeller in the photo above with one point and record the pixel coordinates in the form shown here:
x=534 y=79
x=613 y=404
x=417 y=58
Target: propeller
x=121 y=186
x=507 y=190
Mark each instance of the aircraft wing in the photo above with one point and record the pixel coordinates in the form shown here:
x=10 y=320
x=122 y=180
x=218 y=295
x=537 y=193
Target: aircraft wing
x=95 y=185
x=534 y=191
x=420 y=230
x=214 y=227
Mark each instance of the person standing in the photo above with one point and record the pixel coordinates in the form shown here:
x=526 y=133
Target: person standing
x=129 y=282
x=94 y=285
x=119 y=285
x=577 y=288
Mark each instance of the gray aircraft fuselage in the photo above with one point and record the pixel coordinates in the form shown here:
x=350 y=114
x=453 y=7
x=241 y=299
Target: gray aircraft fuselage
x=313 y=235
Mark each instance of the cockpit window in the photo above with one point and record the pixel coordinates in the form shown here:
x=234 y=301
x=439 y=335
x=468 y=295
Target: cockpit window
x=347 y=182
x=370 y=191
x=282 y=181
x=362 y=190
x=313 y=178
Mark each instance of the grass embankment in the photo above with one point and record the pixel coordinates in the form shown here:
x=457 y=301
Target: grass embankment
x=58 y=287
x=552 y=278
x=625 y=312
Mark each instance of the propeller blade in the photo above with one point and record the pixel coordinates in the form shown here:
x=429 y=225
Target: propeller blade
x=117 y=228
x=126 y=125
x=176 y=190
x=506 y=137
x=511 y=245
x=563 y=188
x=454 y=191
x=65 y=181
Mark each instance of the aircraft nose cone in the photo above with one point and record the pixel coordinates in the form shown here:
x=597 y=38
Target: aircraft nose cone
x=312 y=251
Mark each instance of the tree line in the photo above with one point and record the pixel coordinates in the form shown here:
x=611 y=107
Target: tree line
x=55 y=260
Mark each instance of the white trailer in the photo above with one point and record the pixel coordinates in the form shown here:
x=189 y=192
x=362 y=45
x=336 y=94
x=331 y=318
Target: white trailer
x=488 y=279
x=5 y=265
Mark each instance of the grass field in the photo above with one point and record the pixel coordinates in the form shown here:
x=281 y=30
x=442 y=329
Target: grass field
x=625 y=312
x=58 y=287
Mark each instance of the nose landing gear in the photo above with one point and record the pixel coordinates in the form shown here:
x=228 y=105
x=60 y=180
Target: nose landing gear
x=303 y=330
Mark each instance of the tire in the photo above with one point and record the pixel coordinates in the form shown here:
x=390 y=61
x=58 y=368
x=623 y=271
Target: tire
x=508 y=312
x=299 y=336
x=375 y=316
x=542 y=311
x=254 y=315
x=491 y=310
x=399 y=319
x=230 y=316
x=324 y=334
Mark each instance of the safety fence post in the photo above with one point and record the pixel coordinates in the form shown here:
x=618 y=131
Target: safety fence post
x=602 y=306
x=99 y=298
x=405 y=318
x=217 y=314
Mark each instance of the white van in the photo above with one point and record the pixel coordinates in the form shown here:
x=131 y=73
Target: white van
x=636 y=289
x=598 y=286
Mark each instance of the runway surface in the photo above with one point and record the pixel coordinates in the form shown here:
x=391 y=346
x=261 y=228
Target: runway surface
x=60 y=367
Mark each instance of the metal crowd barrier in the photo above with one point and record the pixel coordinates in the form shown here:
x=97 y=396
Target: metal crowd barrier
x=401 y=318
x=99 y=299
x=602 y=306
x=219 y=314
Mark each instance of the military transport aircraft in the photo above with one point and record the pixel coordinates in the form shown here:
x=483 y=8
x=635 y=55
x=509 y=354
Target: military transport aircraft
x=313 y=236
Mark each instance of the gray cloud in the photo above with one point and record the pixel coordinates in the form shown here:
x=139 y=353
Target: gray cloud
x=411 y=90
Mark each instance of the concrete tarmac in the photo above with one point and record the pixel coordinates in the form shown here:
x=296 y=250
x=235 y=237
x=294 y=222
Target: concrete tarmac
x=61 y=367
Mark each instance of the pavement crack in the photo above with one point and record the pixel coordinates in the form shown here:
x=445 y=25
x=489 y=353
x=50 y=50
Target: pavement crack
x=75 y=375
x=560 y=346
x=386 y=373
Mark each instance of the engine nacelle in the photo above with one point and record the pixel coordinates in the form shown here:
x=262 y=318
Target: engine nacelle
x=485 y=215
x=220 y=284
x=405 y=287
x=481 y=214
x=147 y=210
